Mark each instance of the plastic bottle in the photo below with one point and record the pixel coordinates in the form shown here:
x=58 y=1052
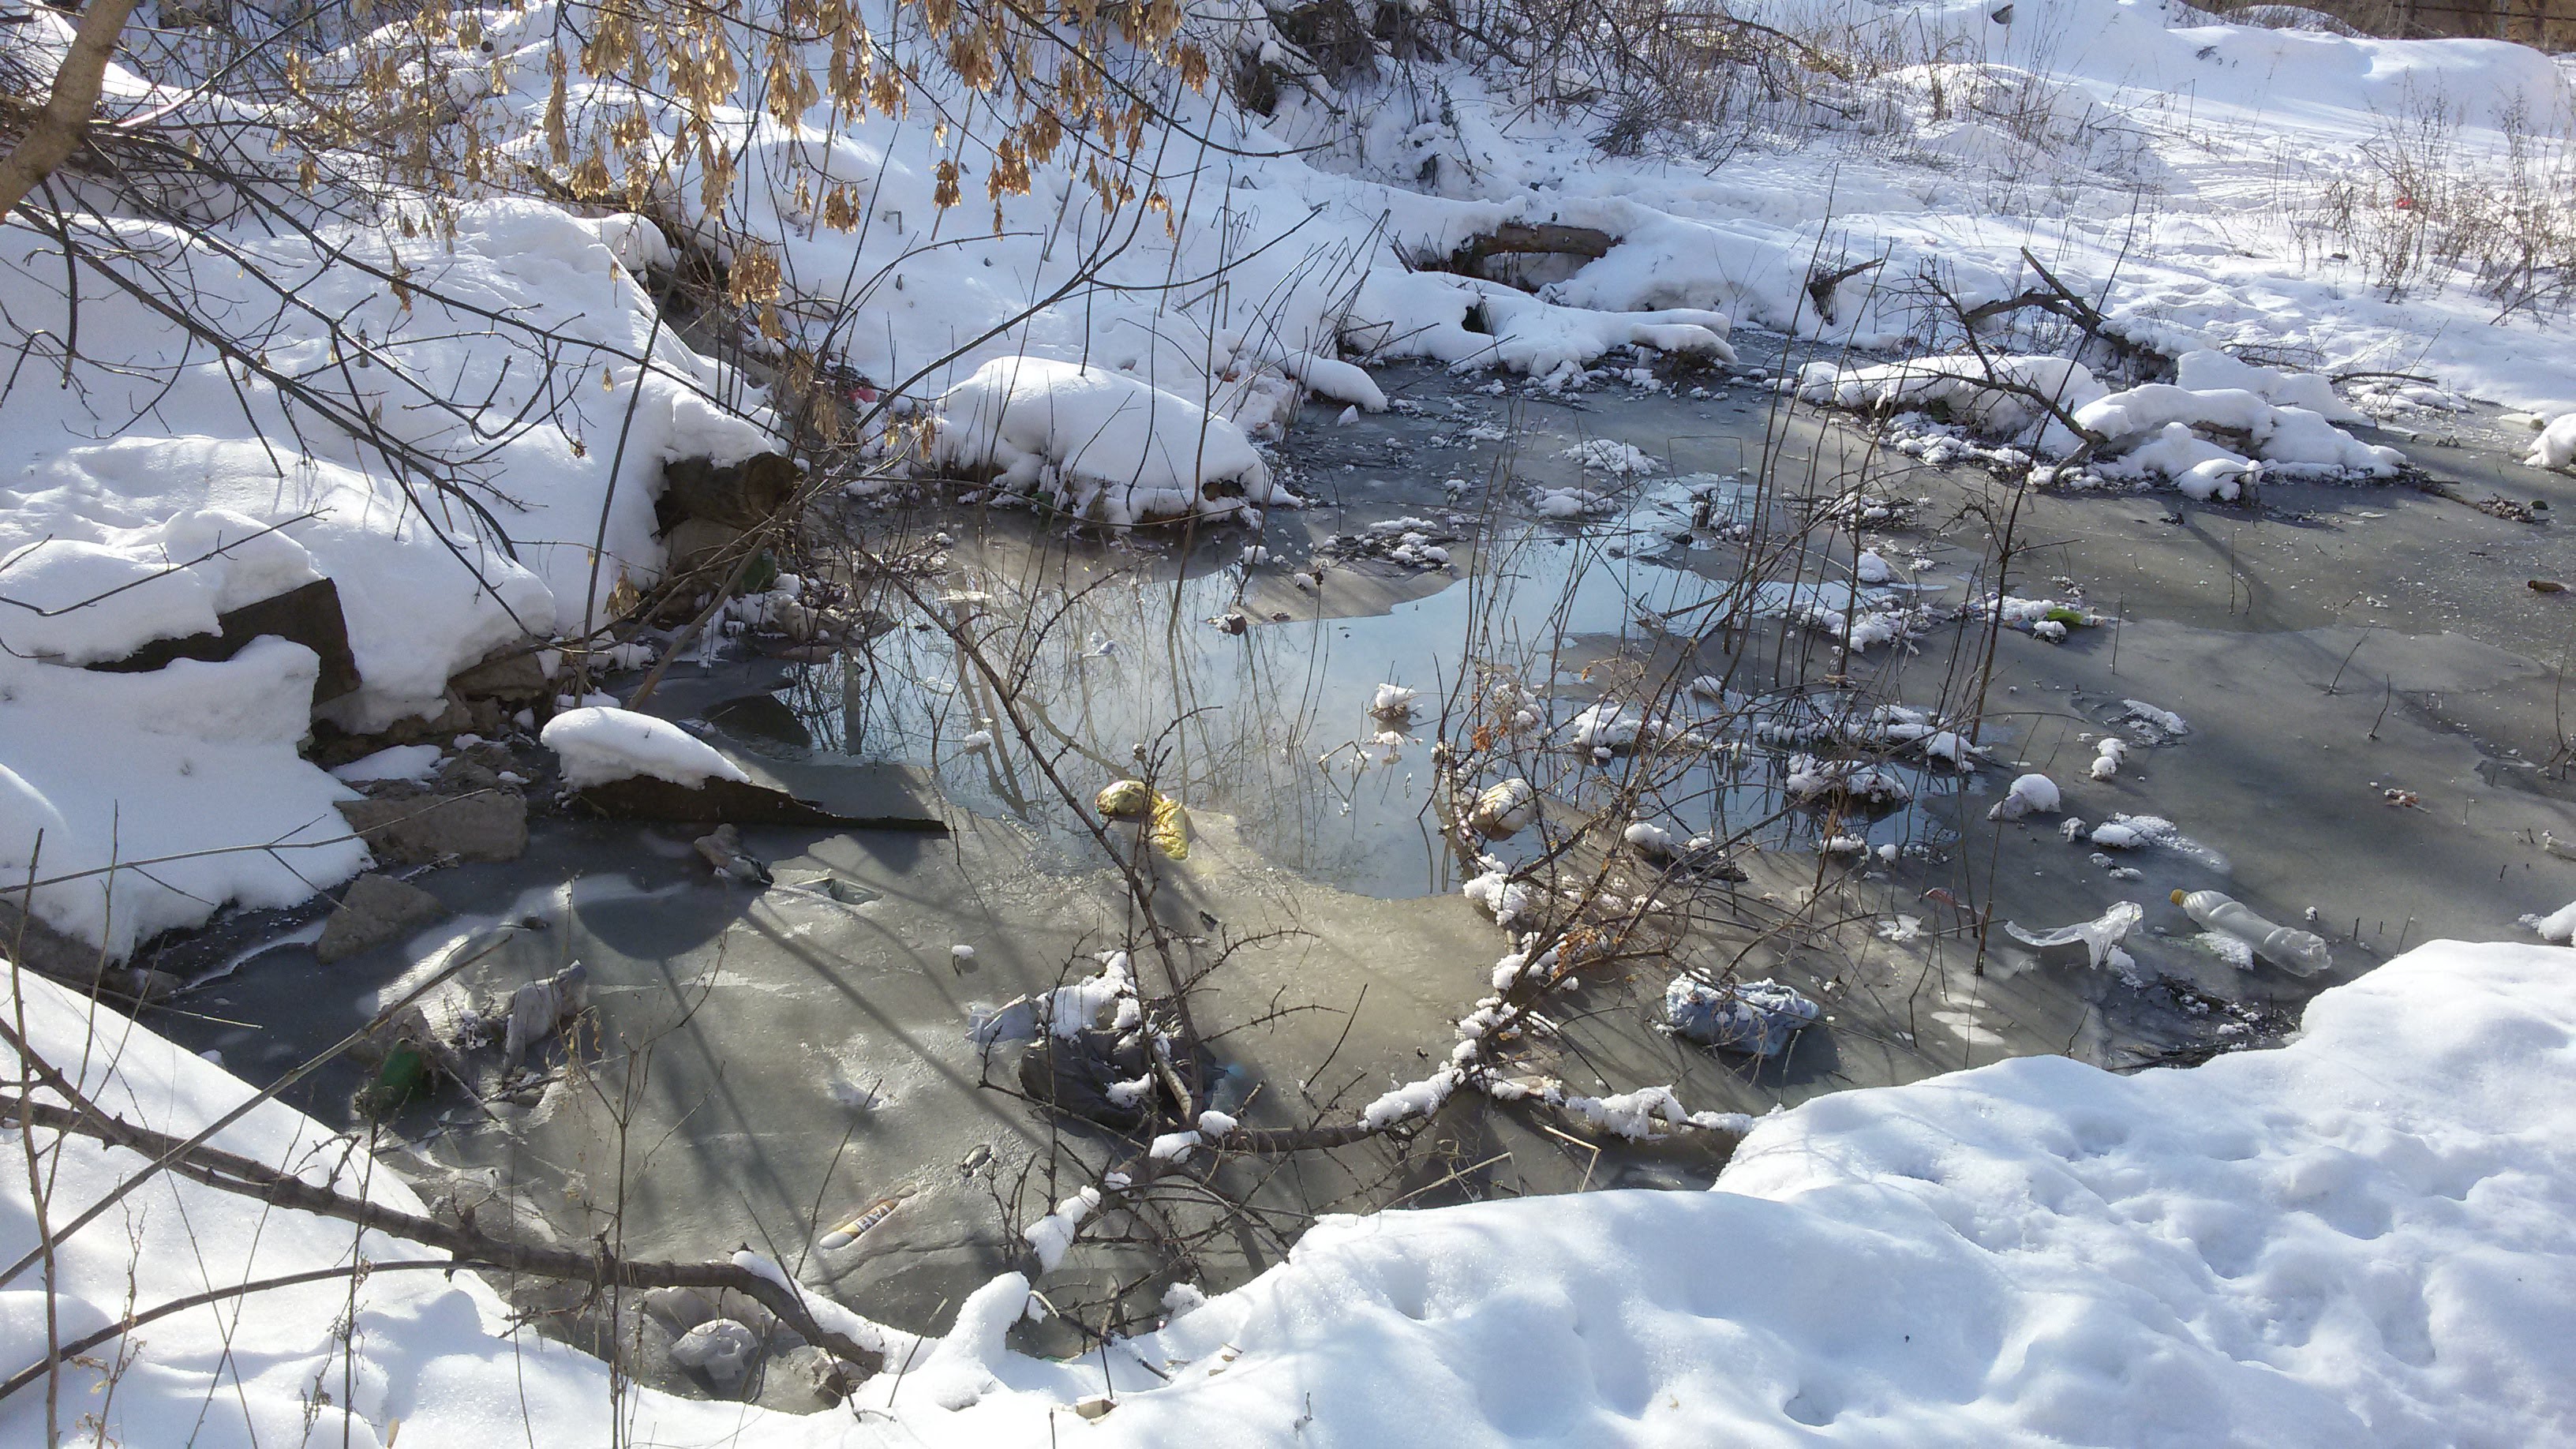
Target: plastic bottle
x=2301 y=953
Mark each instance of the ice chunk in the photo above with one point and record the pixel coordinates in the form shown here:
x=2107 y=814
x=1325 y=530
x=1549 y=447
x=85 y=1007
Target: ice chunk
x=2164 y=720
x=539 y=1007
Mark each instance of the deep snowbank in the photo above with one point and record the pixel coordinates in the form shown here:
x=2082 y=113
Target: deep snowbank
x=2367 y=1237
x=174 y=485
x=195 y=759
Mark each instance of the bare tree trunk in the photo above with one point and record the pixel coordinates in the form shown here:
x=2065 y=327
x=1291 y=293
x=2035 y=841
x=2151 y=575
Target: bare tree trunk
x=58 y=127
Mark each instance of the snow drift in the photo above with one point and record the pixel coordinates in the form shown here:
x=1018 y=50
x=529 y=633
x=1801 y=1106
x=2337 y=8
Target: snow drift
x=2367 y=1237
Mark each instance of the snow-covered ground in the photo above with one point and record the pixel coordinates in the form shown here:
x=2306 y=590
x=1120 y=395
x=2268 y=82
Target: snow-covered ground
x=2367 y=1237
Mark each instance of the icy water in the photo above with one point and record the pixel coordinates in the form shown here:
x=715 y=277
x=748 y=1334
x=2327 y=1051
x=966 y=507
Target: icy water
x=764 y=1062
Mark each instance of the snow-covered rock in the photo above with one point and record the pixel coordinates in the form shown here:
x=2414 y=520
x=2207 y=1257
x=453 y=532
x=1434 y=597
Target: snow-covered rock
x=2030 y=794
x=1994 y=394
x=1097 y=443
x=2556 y=445
x=598 y=745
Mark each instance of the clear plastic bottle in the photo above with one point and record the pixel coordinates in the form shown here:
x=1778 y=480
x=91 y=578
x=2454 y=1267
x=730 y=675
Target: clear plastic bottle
x=2301 y=953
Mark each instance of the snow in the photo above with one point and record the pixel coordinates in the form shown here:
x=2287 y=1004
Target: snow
x=2208 y=370
x=2362 y=1238
x=1652 y=839
x=2160 y=162
x=2151 y=432
x=1569 y=504
x=1609 y=455
x=2367 y=1237
x=192 y=489
x=1607 y=725
x=1067 y=1010
x=1333 y=378
x=2558 y=926
x=1411 y=1099
x=2108 y=756
x=102 y=597
x=1812 y=778
x=1987 y=393
x=396 y=762
x=1050 y=1236
x=2295 y=441
x=1393 y=701
x=2556 y=445
x=204 y=760
x=1398 y=314
x=95 y=503
x=2156 y=717
x=2117 y=836
x=1644 y=1115
x=599 y=745
x=1098 y=444
x=1507 y=900
x=2029 y=794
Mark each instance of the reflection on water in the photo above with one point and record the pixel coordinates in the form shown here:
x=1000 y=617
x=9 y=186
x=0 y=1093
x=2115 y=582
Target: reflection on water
x=1272 y=725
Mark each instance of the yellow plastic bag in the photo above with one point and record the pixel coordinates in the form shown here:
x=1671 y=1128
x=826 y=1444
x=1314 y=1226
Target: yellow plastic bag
x=1170 y=829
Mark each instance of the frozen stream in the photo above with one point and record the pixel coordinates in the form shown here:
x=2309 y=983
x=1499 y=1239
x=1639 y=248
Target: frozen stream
x=763 y=1063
